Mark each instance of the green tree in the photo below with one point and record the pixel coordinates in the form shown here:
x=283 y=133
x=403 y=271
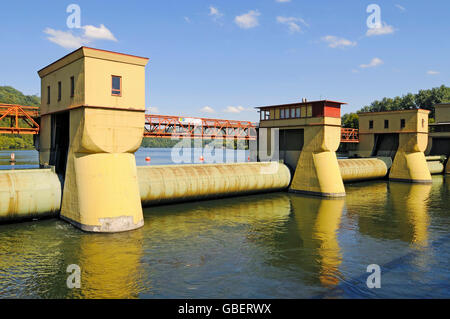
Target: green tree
x=350 y=120
x=425 y=99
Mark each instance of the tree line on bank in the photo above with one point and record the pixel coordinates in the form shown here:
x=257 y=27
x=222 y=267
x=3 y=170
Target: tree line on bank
x=424 y=99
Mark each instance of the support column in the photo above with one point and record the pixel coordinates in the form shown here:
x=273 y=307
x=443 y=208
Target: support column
x=101 y=192
x=409 y=163
x=317 y=171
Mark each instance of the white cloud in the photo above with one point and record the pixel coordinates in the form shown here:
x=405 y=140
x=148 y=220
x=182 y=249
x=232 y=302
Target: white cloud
x=65 y=38
x=283 y=1
x=373 y=63
x=381 y=30
x=292 y=23
x=336 y=42
x=432 y=72
x=207 y=109
x=68 y=40
x=187 y=19
x=400 y=7
x=101 y=33
x=214 y=12
x=248 y=20
x=234 y=109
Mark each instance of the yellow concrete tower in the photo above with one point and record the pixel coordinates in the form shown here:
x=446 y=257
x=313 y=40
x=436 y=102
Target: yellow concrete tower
x=309 y=133
x=92 y=122
x=402 y=135
x=439 y=140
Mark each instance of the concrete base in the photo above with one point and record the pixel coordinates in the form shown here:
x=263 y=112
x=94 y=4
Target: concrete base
x=101 y=193
x=410 y=167
x=108 y=225
x=318 y=174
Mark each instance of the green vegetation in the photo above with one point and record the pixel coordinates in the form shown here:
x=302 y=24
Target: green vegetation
x=9 y=95
x=155 y=142
x=424 y=99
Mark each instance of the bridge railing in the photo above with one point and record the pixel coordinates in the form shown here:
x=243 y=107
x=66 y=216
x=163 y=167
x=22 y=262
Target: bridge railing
x=349 y=135
x=194 y=127
x=21 y=119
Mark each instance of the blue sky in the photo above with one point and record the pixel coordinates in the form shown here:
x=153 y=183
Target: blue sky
x=232 y=55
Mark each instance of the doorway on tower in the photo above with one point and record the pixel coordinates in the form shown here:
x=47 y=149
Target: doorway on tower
x=385 y=145
x=60 y=142
x=291 y=144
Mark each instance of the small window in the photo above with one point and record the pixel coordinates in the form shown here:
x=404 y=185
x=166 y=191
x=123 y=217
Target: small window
x=370 y=124
x=59 y=91
x=286 y=113
x=423 y=123
x=402 y=123
x=48 y=94
x=116 y=85
x=386 y=123
x=282 y=114
x=72 y=86
x=309 y=111
x=292 y=113
x=297 y=112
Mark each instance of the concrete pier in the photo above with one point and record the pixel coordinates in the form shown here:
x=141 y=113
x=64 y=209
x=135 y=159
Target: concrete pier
x=92 y=115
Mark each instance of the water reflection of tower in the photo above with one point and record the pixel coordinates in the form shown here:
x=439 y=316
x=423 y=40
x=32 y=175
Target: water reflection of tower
x=311 y=241
x=110 y=265
x=391 y=210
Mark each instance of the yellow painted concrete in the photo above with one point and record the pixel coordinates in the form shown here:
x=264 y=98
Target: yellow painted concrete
x=175 y=183
x=362 y=169
x=44 y=140
x=409 y=163
x=101 y=192
x=442 y=113
x=317 y=170
x=93 y=70
x=26 y=194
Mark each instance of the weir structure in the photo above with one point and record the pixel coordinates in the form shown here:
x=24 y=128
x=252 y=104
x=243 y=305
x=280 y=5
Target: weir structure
x=308 y=137
x=439 y=137
x=92 y=119
x=401 y=135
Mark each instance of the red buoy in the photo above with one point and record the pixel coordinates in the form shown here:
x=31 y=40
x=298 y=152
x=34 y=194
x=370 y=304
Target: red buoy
x=148 y=159
x=201 y=159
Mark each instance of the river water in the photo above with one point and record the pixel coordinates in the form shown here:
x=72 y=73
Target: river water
x=276 y=245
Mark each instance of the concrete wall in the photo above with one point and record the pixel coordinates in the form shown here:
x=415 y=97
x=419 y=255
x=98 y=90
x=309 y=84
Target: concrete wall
x=442 y=113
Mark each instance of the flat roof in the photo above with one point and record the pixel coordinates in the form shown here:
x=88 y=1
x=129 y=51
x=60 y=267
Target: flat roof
x=299 y=103
x=81 y=55
x=396 y=111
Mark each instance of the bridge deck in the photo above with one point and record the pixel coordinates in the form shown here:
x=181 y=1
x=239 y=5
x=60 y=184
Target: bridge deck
x=24 y=120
